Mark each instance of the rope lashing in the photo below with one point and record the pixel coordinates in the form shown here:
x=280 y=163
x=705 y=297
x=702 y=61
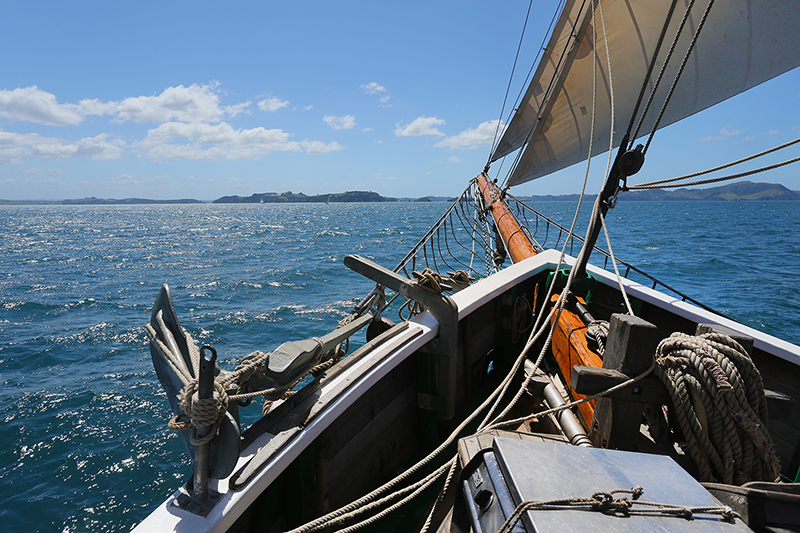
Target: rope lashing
x=460 y=278
x=201 y=412
x=429 y=279
x=719 y=403
x=604 y=502
x=597 y=332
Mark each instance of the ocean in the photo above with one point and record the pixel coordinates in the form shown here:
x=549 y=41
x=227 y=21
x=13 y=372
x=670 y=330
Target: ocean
x=84 y=444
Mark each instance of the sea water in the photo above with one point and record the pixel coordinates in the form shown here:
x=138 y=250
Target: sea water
x=84 y=444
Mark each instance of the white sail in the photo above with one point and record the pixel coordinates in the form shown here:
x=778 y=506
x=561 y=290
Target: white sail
x=742 y=44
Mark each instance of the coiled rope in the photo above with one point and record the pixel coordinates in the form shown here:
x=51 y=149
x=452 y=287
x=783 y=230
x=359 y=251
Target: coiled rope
x=719 y=403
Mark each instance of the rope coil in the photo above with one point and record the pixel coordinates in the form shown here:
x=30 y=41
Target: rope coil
x=720 y=406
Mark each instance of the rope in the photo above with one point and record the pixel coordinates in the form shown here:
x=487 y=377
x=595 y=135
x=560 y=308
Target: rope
x=598 y=330
x=720 y=167
x=714 y=180
x=604 y=502
x=430 y=280
x=209 y=412
x=460 y=278
x=203 y=412
x=616 y=268
x=719 y=403
x=680 y=70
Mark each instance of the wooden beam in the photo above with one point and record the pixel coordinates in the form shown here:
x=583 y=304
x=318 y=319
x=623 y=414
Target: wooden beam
x=630 y=350
x=590 y=380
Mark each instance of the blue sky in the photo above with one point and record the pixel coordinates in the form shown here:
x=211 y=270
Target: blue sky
x=205 y=99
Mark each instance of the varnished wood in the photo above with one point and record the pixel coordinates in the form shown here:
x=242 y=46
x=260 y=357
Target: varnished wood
x=570 y=348
x=515 y=240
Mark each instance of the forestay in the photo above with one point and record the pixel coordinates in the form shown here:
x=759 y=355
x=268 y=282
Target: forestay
x=743 y=43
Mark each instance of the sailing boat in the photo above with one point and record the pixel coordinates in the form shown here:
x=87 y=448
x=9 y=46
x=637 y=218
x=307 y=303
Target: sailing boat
x=528 y=395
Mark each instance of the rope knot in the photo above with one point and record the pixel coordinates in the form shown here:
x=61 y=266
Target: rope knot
x=729 y=515
x=606 y=504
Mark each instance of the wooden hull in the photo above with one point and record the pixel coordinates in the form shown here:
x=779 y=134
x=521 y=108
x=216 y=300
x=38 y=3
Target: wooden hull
x=366 y=419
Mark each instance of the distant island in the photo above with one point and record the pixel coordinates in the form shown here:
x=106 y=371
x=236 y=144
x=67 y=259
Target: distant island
x=290 y=197
x=100 y=201
x=741 y=191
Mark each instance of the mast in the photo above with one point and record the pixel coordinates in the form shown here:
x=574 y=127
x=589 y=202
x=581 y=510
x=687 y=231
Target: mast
x=514 y=238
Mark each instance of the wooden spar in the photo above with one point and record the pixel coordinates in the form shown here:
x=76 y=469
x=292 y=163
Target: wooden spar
x=516 y=241
x=570 y=349
x=569 y=343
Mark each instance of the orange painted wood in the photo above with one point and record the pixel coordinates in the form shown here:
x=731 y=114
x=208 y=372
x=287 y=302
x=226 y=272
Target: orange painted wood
x=570 y=348
x=515 y=240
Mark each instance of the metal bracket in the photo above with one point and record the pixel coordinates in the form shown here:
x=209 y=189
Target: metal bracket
x=443 y=309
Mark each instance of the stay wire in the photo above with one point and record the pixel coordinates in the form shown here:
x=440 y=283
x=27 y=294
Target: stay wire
x=549 y=93
x=717 y=180
x=663 y=68
x=510 y=79
x=528 y=76
x=678 y=74
x=650 y=70
x=720 y=167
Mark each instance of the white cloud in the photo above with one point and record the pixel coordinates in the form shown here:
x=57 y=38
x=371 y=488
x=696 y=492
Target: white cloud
x=472 y=138
x=196 y=103
x=272 y=104
x=420 y=126
x=340 y=123
x=31 y=104
x=385 y=99
x=318 y=147
x=221 y=141
x=727 y=130
x=454 y=159
x=40 y=172
x=373 y=88
x=308 y=107
x=15 y=147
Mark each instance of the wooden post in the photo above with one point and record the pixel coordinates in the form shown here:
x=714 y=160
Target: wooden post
x=630 y=349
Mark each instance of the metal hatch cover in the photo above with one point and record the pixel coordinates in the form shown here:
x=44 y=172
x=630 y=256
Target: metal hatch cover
x=541 y=471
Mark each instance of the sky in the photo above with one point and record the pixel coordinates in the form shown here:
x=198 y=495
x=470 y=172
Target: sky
x=200 y=100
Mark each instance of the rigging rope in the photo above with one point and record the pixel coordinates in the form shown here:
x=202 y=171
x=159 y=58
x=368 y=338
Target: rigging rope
x=720 y=167
x=654 y=185
x=650 y=73
x=680 y=71
x=510 y=79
